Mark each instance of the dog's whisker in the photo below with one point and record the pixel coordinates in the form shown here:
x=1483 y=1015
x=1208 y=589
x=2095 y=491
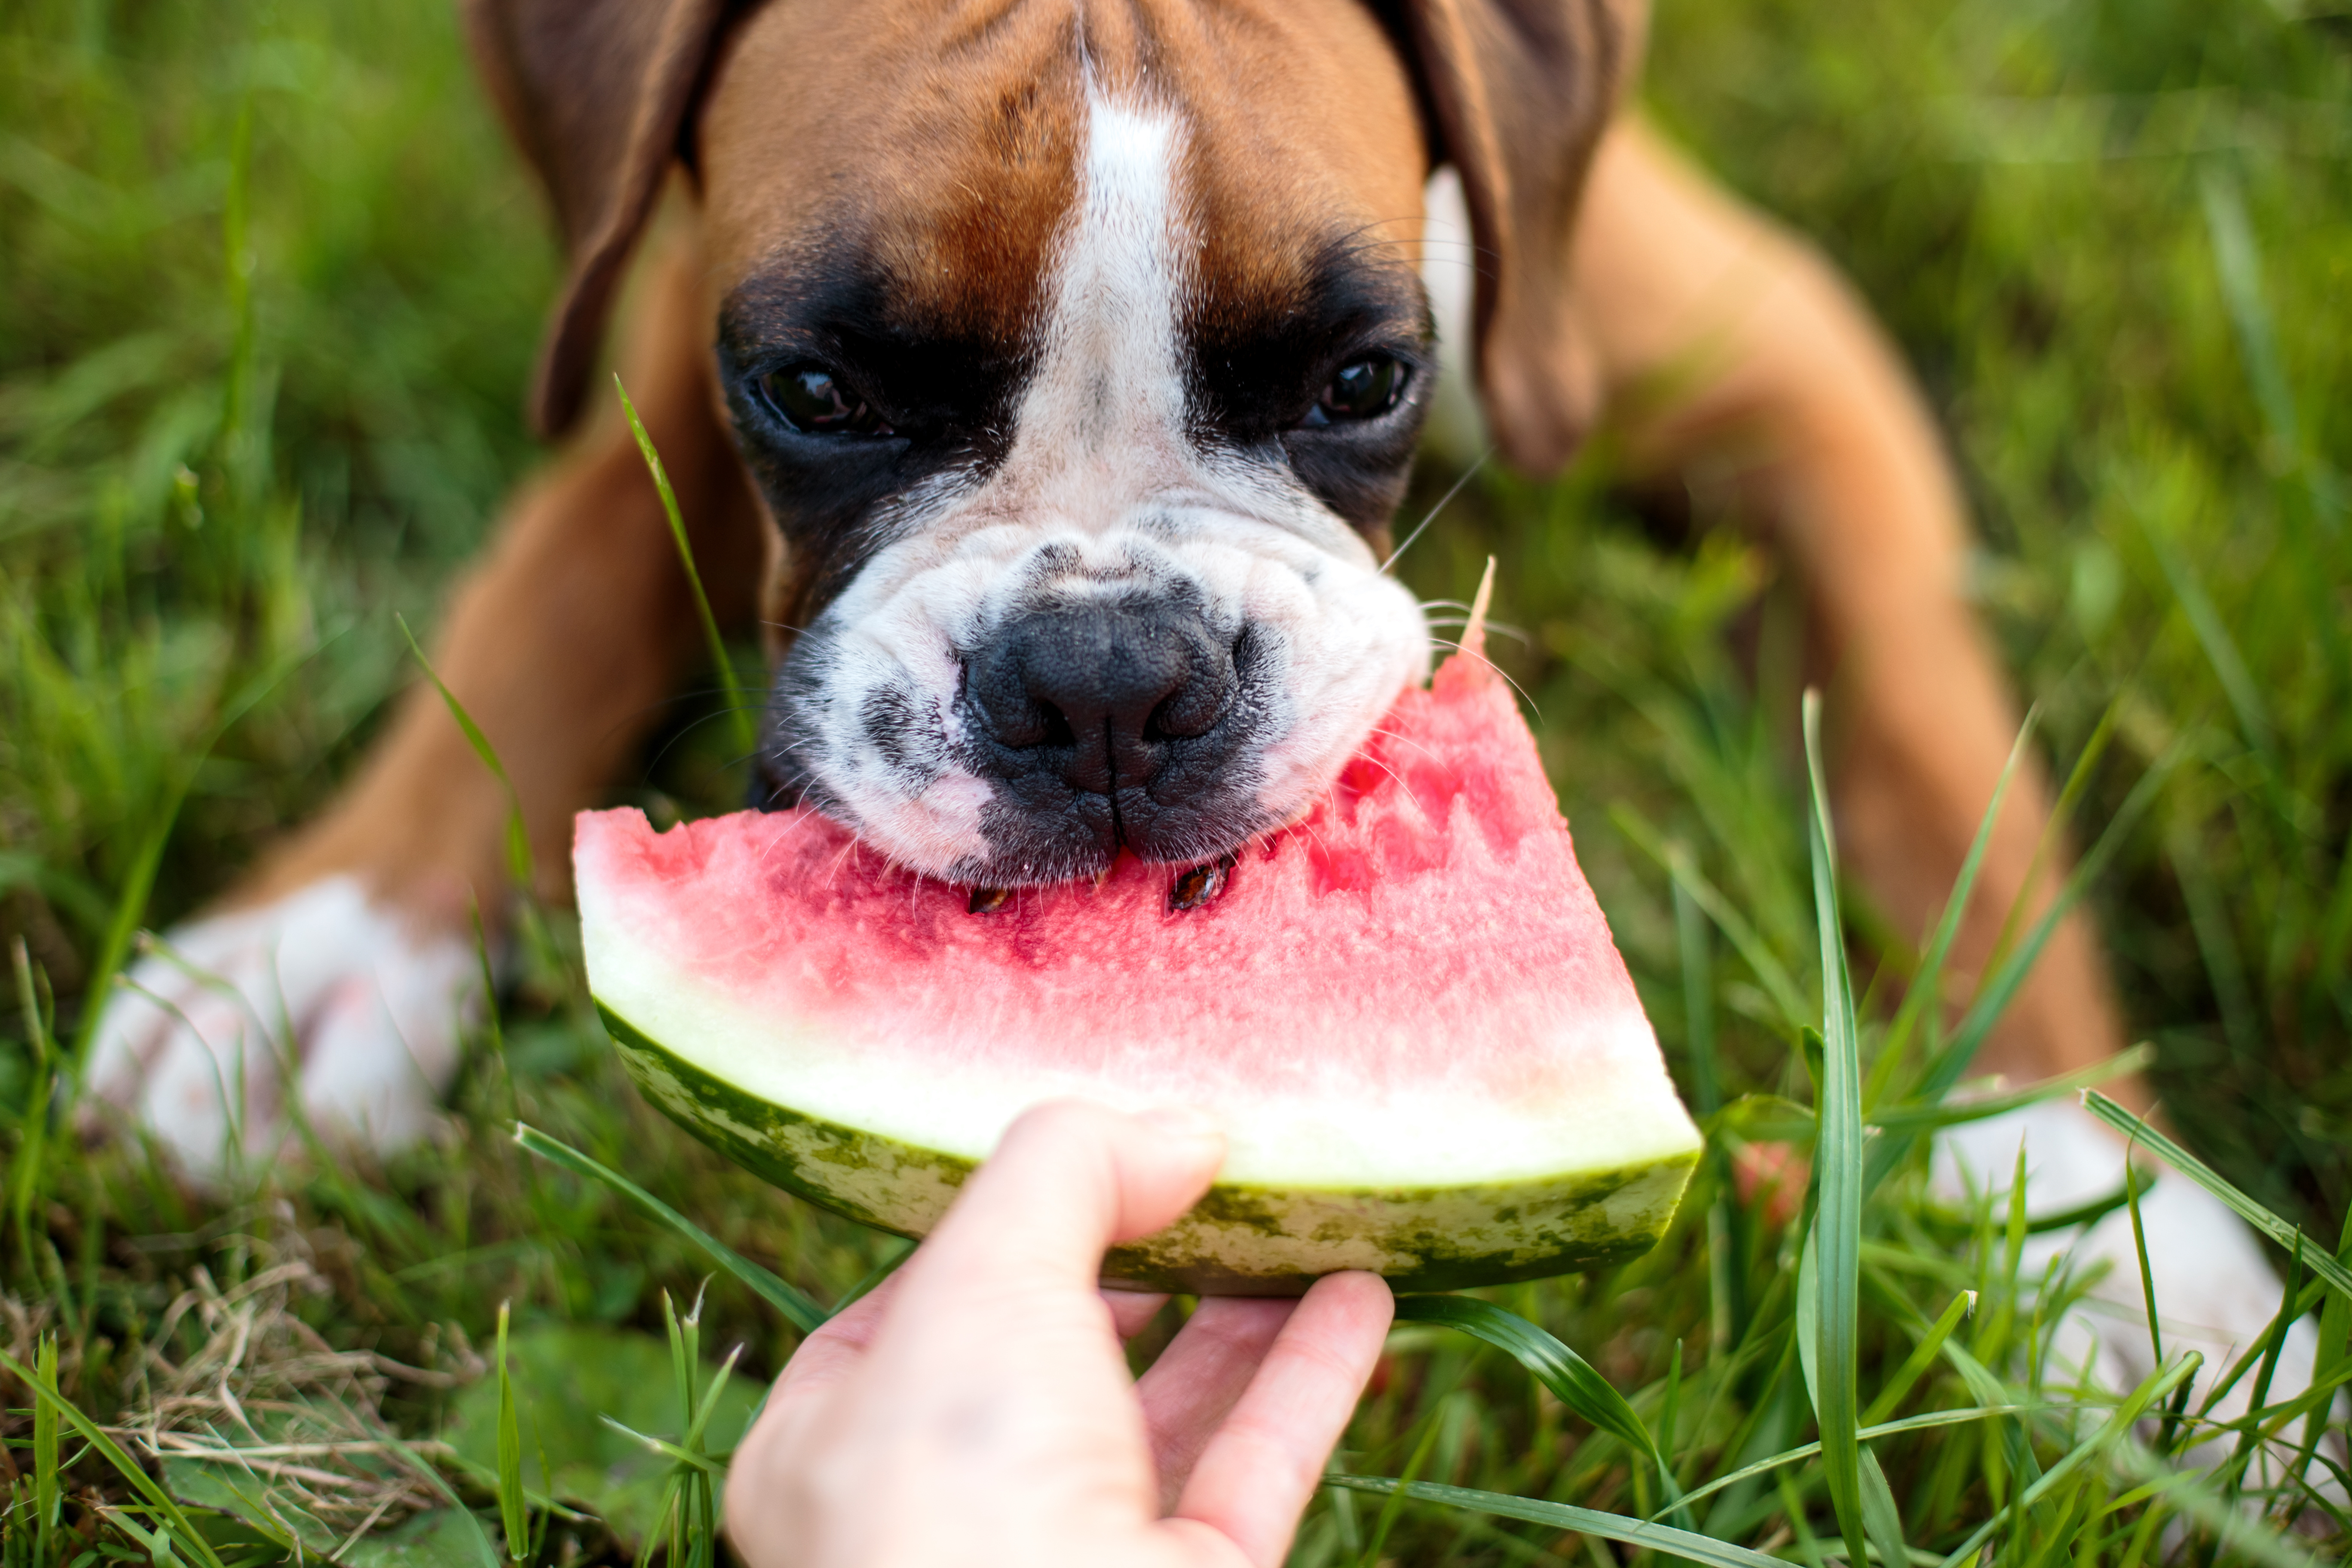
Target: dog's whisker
x=1408 y=740
x=1368 y=757
x=1423 y=526
x=1517 y=634
x=1498 y=669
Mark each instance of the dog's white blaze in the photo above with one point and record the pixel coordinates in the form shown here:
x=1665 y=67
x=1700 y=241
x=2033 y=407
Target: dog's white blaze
x=1104 y=473
x=1107 y=406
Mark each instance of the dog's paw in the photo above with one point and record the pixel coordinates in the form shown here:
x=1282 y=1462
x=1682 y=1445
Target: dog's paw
x=2214 y=1290
x=363 y=1010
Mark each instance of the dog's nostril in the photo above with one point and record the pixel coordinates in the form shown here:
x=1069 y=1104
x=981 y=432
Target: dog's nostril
x=1193 y=709
x=1053 y=728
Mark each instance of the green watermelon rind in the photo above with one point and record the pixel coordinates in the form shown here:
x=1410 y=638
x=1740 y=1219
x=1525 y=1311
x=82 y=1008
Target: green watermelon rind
x=1238 y=1240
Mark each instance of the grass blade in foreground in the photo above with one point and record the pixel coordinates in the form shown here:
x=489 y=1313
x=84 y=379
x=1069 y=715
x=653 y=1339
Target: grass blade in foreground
x=184 y=1535
x=746 y=737
x=131 y=904
x=1568 y=1374
x=1688 y=1545
x=801 y=1311
x=519 y=857
x=2322 y=1262
x=1833 y=1370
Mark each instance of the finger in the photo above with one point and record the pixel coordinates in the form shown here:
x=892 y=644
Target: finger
x=1067 y=1180
x=1199 y=1376
x=1131 y=1311
x=835 y=1346
x=1255 y=1475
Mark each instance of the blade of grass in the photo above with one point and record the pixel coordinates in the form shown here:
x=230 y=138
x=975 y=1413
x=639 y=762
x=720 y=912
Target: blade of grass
x=747 y=738
x=1913 y=1114
x=663 y=1447
x=2241 y=1537
x=797 y=1309
x=514 y=1513
x=1560 y=1369
x=2117 y=1424
x=24 y=1169
x=1685 y=1545
x=708 y=1404
x=1834 y=1372
x=2320 y=1261
x=1930 y=1422
x=2237 y=262
x=1925 y=989
x=1726 y=1239
x=47 y=1496
x=1922 y=1357
x=129 y=1469
x=1889 y=1151
x=2274 y=1344
x=518 y=858
x=130 y=903
x=1768 y=971
x=1386 y=1520
x=2334 y=1325
x=1880 y=1520
x=2139 y=1246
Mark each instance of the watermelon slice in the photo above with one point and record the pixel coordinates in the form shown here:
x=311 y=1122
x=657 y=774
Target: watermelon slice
x=1405 y=1009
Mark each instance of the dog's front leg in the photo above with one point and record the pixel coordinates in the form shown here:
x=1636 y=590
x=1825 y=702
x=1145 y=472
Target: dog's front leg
x=348 y=955
x=1735 y=354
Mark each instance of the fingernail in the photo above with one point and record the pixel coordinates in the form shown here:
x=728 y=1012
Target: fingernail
x=1182 y=1121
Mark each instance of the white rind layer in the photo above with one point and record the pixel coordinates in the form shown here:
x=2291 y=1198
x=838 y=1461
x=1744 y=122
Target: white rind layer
x=1336 y=1137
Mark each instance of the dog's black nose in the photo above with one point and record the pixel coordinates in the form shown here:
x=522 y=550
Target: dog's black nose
x=1099 y=693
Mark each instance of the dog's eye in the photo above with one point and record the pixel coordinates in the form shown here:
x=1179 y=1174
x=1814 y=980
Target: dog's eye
x=1363 y=389
x=812 y=399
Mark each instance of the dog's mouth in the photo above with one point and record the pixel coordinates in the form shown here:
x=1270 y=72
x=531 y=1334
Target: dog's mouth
x=1082 y=731
x=1007 y=707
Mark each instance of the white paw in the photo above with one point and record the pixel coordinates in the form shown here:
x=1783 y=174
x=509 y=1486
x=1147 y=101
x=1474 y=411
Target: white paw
x=364 y=1010
x=2213 y=1286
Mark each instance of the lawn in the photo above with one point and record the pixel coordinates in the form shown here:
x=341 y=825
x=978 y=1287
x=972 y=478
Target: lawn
x=269 y=287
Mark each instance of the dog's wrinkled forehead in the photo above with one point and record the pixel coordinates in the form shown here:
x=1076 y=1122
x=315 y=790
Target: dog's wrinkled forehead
x=909 y=209
x=1080 y=369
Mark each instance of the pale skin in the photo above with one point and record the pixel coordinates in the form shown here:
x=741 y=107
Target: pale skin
x=977 y=1410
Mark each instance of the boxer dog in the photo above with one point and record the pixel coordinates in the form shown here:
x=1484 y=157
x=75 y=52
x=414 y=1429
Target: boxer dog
x=1045 y=373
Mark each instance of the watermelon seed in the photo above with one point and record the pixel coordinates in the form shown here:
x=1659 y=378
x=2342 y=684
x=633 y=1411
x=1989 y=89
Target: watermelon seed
x=988 y=900
x=1200 y=884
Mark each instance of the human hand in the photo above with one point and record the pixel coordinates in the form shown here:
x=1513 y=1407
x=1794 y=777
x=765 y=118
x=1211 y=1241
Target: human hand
x=976 y=1409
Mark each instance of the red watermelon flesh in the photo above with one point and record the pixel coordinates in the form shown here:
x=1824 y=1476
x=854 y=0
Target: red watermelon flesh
x=1405 y=1008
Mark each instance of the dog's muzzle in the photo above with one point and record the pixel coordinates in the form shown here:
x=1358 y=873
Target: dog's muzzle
x=1112 y=722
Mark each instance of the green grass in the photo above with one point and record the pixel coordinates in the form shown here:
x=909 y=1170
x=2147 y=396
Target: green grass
x=269 y=287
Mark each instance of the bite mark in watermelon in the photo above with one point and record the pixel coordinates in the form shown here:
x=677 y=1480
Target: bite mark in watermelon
x=1405 y=1009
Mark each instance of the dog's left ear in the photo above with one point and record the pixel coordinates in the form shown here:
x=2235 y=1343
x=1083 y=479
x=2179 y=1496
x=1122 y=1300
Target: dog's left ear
x=1519 y=92
x=597 y=93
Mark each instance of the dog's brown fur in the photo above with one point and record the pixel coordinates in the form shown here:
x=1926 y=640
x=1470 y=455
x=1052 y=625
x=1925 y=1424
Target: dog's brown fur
x=1616 y=278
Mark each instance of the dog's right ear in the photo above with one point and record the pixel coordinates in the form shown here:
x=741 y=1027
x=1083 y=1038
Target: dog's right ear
x=1518 y=94
x=598 y=94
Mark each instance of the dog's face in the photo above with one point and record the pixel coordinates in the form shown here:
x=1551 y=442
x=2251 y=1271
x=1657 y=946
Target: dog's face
x=1080 y=353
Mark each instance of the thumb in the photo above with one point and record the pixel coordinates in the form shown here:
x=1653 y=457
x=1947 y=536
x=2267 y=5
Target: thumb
x=1068 y=1181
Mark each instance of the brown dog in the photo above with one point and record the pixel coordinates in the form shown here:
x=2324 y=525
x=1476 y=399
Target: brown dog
x=1045 y=373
